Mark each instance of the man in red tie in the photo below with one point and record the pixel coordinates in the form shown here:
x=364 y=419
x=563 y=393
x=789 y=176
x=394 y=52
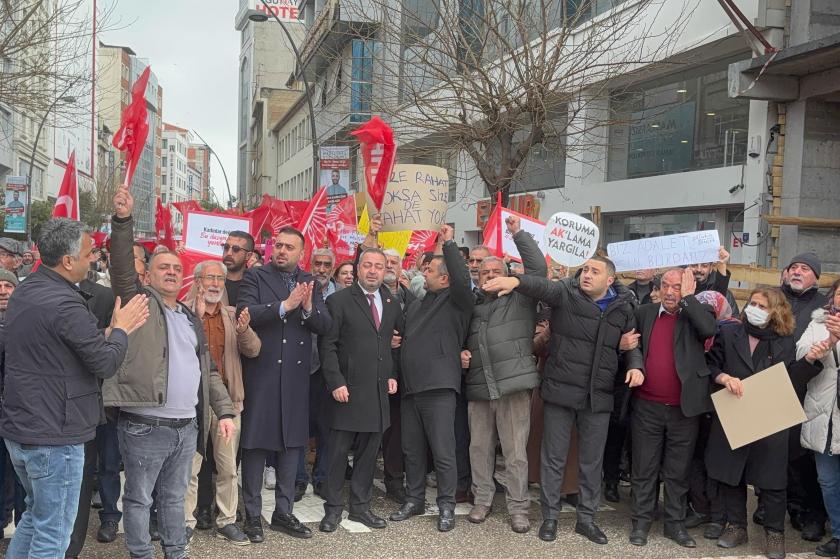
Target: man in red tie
x=358 y=368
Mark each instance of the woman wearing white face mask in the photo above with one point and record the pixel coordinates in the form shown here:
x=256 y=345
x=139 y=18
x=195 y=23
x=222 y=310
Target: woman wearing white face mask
x=764 y=338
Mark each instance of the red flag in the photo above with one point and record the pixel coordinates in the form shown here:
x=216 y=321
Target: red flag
x=420 y=242
x=189 y=260
x=342 y=229
x=100 y=238
x=296 y=209
x=378 y=152
x=313 y=225
x=163 y=226
x=67 y=203
x=131 y=136
x=188 y=206
x=493 y=228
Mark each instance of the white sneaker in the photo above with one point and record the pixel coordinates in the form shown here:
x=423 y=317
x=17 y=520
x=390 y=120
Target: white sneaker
x=270 y=478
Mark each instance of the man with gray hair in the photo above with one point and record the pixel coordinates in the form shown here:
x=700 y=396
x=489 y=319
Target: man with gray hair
x=229 y=337
x=501 y=374
x=10 y=254
x=55 y=356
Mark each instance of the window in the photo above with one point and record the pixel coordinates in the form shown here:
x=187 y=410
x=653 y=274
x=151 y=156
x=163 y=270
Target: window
x=163 y=180
x=164 y=161
x=684 y=124
x=163 y=194
x=361 y=79
x=164 y=143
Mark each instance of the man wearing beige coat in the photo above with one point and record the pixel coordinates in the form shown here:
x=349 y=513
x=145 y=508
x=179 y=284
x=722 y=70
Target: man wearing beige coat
x=229 y=338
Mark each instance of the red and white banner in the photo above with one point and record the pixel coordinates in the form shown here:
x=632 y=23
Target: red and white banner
x=67 y=203
x=206 y=232
x=497 y=238
x=163 y=225
x=379 y=153
x=342 y=230
x=131 y=136
x=313 y=225
x=420 y=242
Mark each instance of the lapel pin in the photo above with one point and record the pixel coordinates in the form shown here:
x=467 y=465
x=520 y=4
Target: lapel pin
x=387 y=300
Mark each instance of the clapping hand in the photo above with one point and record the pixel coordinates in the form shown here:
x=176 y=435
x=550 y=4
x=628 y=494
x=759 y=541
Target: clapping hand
x=243 y=321
x=818 y=351
x=132 y=316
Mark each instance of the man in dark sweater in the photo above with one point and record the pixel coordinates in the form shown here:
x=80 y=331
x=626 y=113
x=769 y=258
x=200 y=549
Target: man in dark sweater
x=667 y=406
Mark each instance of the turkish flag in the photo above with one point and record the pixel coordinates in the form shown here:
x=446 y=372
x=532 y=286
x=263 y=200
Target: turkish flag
x=188 y=206
x=493 y=228
x=163 y=226
x=131 y=136
x=67 y=203
x=378 y=153
x=313 y=225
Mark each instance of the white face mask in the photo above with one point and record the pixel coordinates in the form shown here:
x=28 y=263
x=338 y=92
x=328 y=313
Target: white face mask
x=756 y=316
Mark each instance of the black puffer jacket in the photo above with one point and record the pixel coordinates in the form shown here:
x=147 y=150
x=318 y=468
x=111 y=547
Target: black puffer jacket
x=584 y=354
x=501 y=338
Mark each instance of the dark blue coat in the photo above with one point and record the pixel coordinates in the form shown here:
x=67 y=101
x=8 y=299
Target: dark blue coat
x=276 y=413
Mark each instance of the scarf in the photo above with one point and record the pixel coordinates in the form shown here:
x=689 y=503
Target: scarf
x=764 y=334
x=289 y=279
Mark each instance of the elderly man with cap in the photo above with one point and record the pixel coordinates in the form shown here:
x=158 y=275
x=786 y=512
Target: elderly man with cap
x=10 y=254
x=8 y=283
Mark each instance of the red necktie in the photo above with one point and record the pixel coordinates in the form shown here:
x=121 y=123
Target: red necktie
x=373 y=310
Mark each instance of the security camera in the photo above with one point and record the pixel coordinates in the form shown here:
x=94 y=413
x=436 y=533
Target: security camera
x=734 y=189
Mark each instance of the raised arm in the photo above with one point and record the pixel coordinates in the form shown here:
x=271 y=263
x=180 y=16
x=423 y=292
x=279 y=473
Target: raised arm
x=124 y=281
x=552 y=293
x=101 y=356
x=459 y=275
x=701 y=316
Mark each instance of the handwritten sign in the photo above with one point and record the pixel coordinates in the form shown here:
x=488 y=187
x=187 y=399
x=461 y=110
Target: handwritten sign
x=416 y=198
x=662 y=252
x=570 y=239
x=206 y=232
x=533 y=227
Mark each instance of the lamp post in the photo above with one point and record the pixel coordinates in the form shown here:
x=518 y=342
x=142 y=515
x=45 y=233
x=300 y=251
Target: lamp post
x=227 y=184
x=259 y=17
x=64 y=98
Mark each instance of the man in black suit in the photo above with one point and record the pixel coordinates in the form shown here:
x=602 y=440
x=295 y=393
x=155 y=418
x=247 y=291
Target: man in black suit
x=430 y=359
x=666 y=408
x=359 y=372
x=286 y=308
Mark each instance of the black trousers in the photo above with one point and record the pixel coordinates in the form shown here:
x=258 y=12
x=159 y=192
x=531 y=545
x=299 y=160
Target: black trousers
x=663 y=442
x=206 y=488
x=735 y=503
x=462 y=441
x=80 y=526
x=804 y=495
x=392 y=453
x=253 y=465
x=428 y=422
x=703 y=492
x=364 y=465
x=616 y=436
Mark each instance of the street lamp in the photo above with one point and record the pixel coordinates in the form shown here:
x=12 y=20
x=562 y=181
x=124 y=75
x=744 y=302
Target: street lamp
x=259 y=17
x=64 y=98
x=212 y=152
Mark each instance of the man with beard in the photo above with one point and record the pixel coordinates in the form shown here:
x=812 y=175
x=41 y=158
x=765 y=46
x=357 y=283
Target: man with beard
x=228 y=337
x=286 y=308
x=714 y=276
x=474 y=260
x=236 y=251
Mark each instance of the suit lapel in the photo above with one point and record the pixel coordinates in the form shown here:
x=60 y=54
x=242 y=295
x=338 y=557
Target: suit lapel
x=362 y=301
x=647 y=328
x=389 y=300
x=273 y=281
x=742 y=347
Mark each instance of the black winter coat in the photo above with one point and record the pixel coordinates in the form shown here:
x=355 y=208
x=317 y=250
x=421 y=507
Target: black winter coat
x=584 y=356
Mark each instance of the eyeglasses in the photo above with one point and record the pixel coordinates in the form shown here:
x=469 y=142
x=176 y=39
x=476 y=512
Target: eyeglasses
x=233 y=248
x=214 y=278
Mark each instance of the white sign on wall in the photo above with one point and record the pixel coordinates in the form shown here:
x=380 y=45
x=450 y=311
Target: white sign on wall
x=662 y=252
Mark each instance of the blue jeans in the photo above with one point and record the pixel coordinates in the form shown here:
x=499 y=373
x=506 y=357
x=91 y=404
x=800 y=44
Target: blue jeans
x=52 y=478
x=161 y=456
x=108 y=448
x=828 y=472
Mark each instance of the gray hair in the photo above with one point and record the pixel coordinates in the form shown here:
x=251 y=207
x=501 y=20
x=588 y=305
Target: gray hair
x=492 y=260
x=392 y=252
x=198 y=271
x=322 y=252
x=60 y=237
x=481 y=247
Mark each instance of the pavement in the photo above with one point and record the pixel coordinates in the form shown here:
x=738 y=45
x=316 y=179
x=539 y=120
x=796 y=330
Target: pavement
x=418 y=537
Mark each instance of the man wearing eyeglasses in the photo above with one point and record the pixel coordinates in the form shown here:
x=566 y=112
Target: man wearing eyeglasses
x=236 y=251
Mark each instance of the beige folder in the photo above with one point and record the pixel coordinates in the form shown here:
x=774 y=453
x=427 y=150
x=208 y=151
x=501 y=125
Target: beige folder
x=769 y=405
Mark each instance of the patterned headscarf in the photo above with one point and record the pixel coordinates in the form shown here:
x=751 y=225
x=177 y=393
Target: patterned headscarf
x=723 y=311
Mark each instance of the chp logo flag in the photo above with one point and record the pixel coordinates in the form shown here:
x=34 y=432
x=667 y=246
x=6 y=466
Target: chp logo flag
x=131 y=136
x=313 y=225
x=342 y=229
x=378 y=153
x=67 y=203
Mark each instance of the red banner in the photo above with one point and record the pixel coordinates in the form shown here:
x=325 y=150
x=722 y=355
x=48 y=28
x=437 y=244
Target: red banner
x=313 y=225
x=378 y=153
x=342 y=229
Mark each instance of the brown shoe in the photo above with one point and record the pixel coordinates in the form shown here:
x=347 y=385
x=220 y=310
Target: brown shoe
x=775 y=545
x=478 y=514
x=519 y=523
x=732 y=536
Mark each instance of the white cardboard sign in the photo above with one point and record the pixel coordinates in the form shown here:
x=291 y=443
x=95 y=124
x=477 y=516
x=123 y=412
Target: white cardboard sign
x=570 y=239
x=663 y=252
x=206 y=232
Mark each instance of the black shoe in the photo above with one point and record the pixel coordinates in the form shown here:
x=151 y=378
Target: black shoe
x=611 y=493
x=406 y=511
x=318 y=489
x=153 y=529
x=189 y=533
x=733 y=536
x=828 y=549
x=796 y=520
x=694 y=519
x=300 y=490
x=254 y=530
x=591 y=531
x=107 y=532
x=758 y=515
x=330 y=523
x=713 y=530
x=548 y=531
x=368 y=519
x=679 y=535
x=396 y=494
x=233 y=534
x=289 y=524
x=203 y=518
x=446 y=520
x=813 y=531
x=638 y=536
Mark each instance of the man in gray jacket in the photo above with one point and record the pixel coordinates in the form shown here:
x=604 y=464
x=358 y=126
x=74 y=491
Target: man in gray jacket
x=502 y=372
x=164 y=389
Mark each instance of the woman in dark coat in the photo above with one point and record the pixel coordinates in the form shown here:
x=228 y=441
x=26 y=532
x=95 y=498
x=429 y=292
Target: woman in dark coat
x=764 y=338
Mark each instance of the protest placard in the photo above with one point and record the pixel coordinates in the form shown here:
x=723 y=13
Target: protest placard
x=769 y=405
x=206 y=232
x=533 y=227
x=570 y=239
x=416 y=198
x=663 y=252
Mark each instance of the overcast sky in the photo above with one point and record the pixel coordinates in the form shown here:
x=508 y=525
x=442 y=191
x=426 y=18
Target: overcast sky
x=194 y=51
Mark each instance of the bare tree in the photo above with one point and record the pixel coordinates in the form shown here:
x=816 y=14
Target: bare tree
x=503 y=81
